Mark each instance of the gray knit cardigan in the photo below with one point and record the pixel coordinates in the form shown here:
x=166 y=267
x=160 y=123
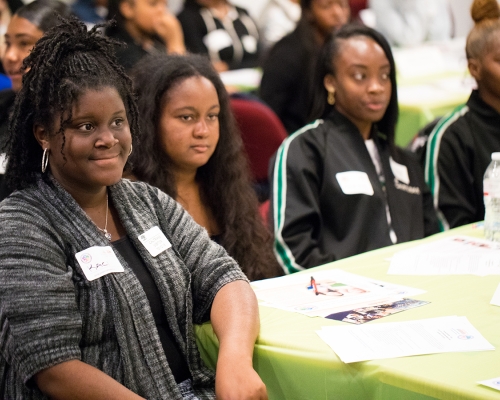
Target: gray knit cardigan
x=50 y=313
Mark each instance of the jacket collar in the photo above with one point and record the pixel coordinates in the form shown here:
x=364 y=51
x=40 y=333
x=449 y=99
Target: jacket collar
x=478 y=105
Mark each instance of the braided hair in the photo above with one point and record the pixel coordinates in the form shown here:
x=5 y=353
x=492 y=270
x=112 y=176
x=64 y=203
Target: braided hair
x=65 y=63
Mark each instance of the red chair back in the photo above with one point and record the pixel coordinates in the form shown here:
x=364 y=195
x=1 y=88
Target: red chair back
x=262 y=133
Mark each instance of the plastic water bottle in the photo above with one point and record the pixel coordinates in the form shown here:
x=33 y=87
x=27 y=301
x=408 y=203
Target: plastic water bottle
x=491 y=189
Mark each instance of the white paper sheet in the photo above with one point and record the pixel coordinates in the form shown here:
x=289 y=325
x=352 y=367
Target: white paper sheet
x=337 y=291
x=457 y=255
x=355 y=343
x=492 y=383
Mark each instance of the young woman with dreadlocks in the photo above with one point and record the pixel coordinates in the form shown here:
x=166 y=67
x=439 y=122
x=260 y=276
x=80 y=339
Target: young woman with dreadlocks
x=103 y=278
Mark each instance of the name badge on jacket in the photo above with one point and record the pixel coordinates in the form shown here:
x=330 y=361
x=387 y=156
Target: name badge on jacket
x=154 y=241
x=97 y=261
x=400 y=171
x=355 y=182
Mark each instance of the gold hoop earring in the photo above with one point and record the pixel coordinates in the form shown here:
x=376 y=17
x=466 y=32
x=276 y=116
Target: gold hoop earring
x=331 y=97
x=45 y=159
x=130 y=152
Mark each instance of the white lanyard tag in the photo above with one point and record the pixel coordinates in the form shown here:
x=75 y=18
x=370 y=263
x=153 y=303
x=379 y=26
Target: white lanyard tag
x=97 y=261
x=355 y=182
x=154 y=241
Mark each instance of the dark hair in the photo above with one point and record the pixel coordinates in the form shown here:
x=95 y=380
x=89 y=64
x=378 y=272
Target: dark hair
x=486 y=15
x=43 y=13
x=224 y=180
x=114 y=13
x=326 y=65
x=64 y=63
x=192 y=4
x=306 y=5
x=305 y=33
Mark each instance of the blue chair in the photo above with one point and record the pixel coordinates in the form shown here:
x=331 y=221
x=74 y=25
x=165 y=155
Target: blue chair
x=5 y=82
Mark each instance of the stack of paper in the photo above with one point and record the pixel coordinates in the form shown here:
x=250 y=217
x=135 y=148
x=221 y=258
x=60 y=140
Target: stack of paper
x=457 y=255
x=354 y=343
x=328 y=292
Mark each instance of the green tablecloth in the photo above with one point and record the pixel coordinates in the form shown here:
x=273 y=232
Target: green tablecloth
x=425 y=99
x=412 y=118
x=296 y=364
x=432 y=79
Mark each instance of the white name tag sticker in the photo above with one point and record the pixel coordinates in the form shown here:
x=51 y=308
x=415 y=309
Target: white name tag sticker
x=355 y=182
x=249 y=43
x=97 y=261
x=400 y=171
x=154 y=241
x=3 y=163
x=217 y=40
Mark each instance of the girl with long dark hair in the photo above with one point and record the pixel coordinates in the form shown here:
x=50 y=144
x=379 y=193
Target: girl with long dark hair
x=192 y=150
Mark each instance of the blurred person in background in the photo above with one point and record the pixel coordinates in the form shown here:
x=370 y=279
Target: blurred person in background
x=5 y=15
x=224 y=32
x=146 y=27
x=91 y=11
x=277 y=19
x=288 y=70
x=27 y=25
x=412 y=22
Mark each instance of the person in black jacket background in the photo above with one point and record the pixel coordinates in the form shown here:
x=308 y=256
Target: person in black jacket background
x=340 y=186
x=460 y=146
x=223 y=32
x=288 y=70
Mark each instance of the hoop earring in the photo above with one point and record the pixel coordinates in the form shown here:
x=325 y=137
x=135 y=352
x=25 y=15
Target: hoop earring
x=130 y=152
x=331 y=97
x=45 y=159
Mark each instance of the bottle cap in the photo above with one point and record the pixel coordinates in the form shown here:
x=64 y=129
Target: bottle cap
x=495 y=156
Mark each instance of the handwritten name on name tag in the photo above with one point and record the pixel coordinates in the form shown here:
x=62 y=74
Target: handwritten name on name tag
x=97 y=261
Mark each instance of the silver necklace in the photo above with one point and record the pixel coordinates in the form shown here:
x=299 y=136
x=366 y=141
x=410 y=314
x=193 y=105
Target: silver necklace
x=107 y=235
